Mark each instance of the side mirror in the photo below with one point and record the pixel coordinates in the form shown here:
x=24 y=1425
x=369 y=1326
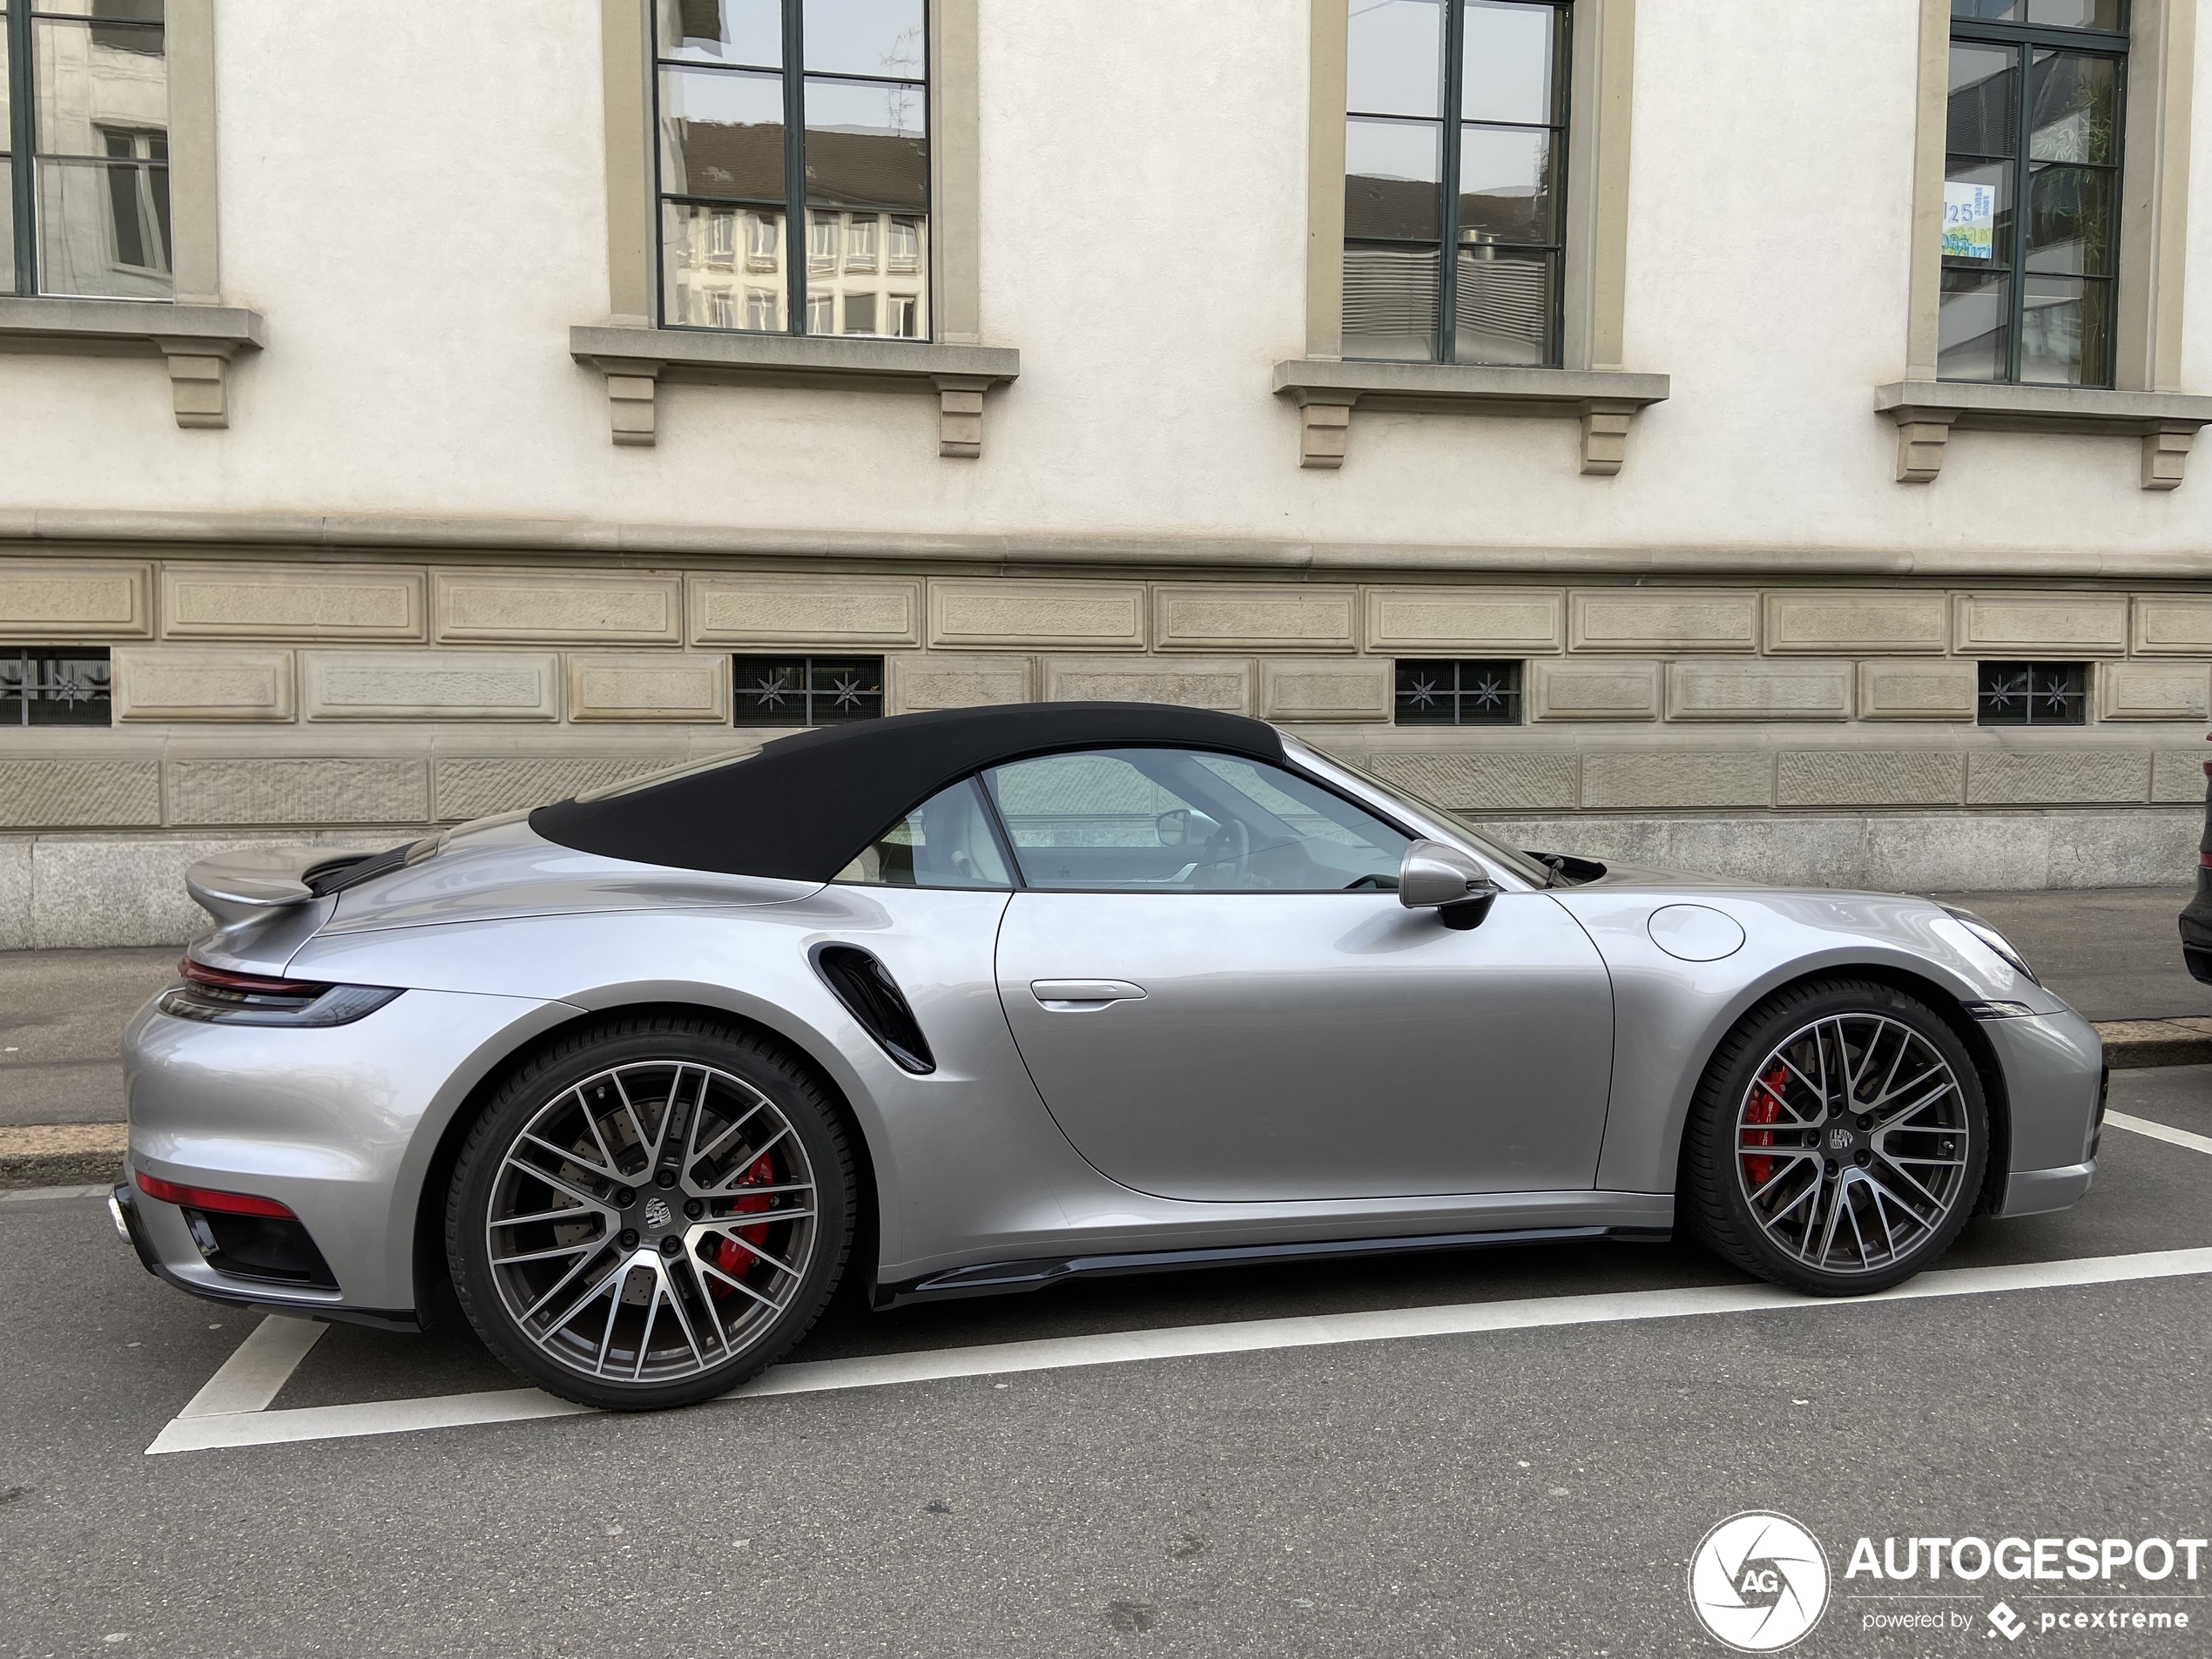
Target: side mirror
x=1184 y=828
x=1439 y=877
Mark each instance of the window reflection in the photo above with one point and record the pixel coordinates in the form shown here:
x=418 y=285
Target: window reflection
x=728 y=165
x=99 y=97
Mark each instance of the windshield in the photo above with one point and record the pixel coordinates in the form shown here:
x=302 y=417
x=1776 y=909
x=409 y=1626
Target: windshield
x=1519 y=863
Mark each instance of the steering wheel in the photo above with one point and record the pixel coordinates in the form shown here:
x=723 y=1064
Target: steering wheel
x=1228 y=851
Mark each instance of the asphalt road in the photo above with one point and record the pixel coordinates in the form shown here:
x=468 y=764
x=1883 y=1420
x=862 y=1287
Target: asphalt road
x=1527 y=1491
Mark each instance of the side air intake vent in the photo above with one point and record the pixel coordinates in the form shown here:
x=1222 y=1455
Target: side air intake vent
x=873 y=997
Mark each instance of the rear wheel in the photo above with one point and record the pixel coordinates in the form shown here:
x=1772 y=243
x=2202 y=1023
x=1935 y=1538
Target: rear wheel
x=1838 y=1139
x=651 y=1212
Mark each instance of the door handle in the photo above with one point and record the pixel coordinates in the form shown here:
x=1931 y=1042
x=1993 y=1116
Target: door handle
x=1083 y=995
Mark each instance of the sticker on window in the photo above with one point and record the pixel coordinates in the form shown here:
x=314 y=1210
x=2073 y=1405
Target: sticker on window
x=1969 y=221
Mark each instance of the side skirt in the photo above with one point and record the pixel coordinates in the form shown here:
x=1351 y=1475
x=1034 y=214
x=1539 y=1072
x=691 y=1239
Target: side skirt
x=1000 y=1278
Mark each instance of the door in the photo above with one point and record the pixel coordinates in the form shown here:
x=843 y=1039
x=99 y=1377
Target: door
x=1219 y=995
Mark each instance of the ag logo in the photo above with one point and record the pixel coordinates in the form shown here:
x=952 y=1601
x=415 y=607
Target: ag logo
x=657 y=1214
x=1759 y=1582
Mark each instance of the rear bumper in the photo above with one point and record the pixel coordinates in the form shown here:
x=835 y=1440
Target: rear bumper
x=340 y=1124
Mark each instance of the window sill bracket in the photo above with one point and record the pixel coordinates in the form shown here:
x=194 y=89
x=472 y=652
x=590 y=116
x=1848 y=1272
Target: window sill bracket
x=197 y=341
x=1926 y=412
x=1604 y=400
x=635 y=361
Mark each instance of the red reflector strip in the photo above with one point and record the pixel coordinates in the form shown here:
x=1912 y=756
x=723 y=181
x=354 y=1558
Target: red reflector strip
x=229 y=1203
x=248 y=984
x=2204 y=861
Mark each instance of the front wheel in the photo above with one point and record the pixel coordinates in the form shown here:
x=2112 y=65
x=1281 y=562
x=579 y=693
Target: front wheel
x=1837 y=1141
x=651 y=1212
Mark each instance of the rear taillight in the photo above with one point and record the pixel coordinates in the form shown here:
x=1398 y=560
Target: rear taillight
x=219 y=997
x=222 y=1204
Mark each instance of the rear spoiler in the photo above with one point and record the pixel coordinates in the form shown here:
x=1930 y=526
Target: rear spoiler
x=237 y=887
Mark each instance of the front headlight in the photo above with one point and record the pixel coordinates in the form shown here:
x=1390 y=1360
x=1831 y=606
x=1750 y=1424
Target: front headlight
x=1991 y=937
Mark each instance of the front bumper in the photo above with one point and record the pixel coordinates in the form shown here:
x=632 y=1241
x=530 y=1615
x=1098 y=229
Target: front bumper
x=340 y=1124
x=2054 y=1086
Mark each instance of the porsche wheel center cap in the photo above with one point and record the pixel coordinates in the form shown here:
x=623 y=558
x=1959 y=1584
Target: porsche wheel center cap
x=656 y=1215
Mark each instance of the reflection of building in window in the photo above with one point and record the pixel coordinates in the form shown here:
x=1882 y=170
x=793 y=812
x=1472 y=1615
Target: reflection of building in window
x=91 y=208
x=857 y=166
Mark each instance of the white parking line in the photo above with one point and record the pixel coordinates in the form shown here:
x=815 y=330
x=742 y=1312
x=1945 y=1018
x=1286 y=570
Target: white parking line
x=401 y=1416
x=255 y=1375
x=2159 y=1132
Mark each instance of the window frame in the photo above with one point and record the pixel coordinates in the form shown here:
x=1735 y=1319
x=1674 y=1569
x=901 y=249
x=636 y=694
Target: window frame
x=2024 y=39
x=807 y=662
x=19 y=701
x=797 y=250
x=1516 y=694
x=1450 y=125
x=2075 y=696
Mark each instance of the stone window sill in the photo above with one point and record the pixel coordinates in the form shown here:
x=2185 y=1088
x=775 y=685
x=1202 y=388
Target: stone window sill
x=1926 y=411
x=1605 y=401
x=198 y=342
x=636 y=360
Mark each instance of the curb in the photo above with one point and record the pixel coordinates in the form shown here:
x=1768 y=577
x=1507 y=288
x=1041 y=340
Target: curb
x=2132 y=1044
x=61 y=1154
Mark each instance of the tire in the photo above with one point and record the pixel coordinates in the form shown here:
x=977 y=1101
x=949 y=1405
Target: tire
x=1838 y=1140
x=650 y=1211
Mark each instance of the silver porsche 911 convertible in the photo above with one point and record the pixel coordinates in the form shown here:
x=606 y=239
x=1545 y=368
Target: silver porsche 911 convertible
x=977 y=1001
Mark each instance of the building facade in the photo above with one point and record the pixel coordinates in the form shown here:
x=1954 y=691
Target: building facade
x=1746 y=437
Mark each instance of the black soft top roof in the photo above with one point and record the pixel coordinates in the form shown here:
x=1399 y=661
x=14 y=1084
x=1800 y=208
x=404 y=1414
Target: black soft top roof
x=807 y=805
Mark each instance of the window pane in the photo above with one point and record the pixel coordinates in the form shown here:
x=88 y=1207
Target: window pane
x=87 y=83
x=865 y=145
x=722 y=134
x=945 y=842
x=1506 y=303
x=1509 y=58
x=1392 y=171
x=2074 y=108
x=721 y=267
x=2078 y=14
x=1175 y=820
x=844 y=688
x=1984 y=112
x=723 y=32
x=1389 y=302
x=2072 y=219
x=7 y=227
x=1988 y=10
x=1506 y=191
x=768 y=691
x=62 y=687
x=886 y=37
x=103 y=230
x=1971 y=329
x=118 y=10
x=1978 y=214
x=2065 y=331
x=1394 y=58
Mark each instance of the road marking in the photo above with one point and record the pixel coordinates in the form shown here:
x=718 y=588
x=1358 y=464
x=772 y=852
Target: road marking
x=256 y=1373
x=2159 y=1132
x=874 y=1371
x=25 y=1194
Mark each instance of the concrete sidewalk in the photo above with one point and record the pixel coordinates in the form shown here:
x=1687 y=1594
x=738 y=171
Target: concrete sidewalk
x=2112 y=952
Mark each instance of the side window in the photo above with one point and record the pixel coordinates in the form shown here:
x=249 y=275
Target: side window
x=1179 y=820
x=945 y=842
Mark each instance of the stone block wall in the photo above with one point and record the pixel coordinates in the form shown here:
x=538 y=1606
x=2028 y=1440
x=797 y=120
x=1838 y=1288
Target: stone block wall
x=296 y=696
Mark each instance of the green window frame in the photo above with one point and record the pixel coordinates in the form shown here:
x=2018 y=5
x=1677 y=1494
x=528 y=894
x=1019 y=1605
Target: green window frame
x=2031 y=276
x=737 y=165
x=85 y=151
x=1492 y=190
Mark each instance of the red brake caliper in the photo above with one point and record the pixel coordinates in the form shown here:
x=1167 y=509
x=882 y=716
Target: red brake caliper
x=731 y=1257
x=1765 y=1106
